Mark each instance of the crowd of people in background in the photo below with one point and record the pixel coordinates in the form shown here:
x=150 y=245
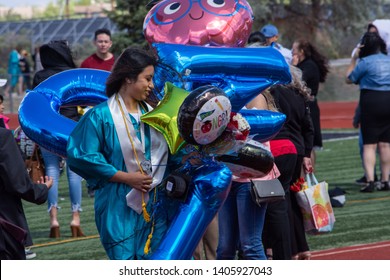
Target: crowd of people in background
x=277 y=232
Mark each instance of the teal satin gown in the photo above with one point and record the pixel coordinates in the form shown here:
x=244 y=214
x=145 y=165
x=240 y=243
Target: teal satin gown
x=95 y=154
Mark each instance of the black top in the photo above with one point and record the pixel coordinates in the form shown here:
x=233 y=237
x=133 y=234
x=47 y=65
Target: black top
x=56 y=57
x=310 y=74
x=298 y=126
x=24 y=65
x=15 y=185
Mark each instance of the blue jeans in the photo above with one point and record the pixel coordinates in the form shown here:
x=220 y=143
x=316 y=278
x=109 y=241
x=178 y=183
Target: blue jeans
x=52 y=166
x=241 y=224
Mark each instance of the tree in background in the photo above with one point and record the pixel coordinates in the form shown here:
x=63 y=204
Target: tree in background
x=330 y=24
x=128 y=16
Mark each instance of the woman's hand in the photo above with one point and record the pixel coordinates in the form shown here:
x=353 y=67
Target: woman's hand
x=307 y=165
x=136 y=180
x=48 y=181
x=139 y=181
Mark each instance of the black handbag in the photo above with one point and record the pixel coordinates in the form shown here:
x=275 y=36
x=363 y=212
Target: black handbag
x=266 y=191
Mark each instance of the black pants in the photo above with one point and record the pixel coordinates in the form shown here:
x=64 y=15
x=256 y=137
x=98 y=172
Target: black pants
x=315 y=117
x=10 y=248
x=298 y=236
x=276 y=232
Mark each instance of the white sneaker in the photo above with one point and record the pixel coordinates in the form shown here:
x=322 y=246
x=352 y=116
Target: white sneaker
x=29 y=254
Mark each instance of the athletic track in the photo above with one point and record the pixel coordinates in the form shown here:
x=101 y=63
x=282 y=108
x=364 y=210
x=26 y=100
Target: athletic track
x=334 y=115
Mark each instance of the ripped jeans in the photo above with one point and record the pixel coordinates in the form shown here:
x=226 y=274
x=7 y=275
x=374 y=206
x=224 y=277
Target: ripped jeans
x=52 y=166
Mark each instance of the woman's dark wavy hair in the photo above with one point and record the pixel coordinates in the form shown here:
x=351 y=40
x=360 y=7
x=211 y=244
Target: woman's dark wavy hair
x=372 y=43
x=311 y=51
x=129 y=64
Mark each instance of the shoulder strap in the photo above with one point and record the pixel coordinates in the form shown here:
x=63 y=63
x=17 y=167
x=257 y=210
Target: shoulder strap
x=35 y=152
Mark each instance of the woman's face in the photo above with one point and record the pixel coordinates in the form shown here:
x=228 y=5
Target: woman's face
x=143 y=86
x=297 y=53
x=373 y=29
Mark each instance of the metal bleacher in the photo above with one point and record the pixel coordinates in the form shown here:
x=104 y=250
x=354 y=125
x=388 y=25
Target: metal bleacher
x=74 y=30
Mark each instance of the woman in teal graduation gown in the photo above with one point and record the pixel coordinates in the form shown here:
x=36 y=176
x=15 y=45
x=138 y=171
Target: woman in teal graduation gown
x=124 y=159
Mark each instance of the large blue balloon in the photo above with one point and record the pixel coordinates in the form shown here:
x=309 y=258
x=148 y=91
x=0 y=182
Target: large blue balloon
x=242 y=73
x=264 y=124
x=209 y=188
x=39 y=111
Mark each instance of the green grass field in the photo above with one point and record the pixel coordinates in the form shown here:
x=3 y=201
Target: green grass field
x=365 y=218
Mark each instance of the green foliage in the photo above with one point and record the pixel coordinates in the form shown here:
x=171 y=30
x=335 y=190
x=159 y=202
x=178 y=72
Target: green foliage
x=329 y=24
x=11 y=15
x=51 y=11
x=83 y=2
x=122 y=40
x=129 y=16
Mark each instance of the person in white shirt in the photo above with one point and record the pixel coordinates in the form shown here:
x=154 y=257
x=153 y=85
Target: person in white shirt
x=271 y=34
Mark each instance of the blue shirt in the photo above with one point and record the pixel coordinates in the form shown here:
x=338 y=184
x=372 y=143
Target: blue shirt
x=372 y=72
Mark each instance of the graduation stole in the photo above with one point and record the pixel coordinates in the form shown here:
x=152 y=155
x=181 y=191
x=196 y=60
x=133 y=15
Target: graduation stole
x=133 y=149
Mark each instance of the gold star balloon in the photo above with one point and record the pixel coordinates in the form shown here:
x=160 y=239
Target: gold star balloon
x=164 y=117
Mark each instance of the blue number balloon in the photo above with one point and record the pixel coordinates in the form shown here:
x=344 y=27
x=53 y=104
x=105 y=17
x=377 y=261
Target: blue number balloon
x=209 y=188
x=39 y=111
x=242 y=73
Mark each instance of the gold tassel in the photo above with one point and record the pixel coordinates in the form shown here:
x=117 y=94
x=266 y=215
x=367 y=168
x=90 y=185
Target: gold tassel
x=144 y=211
x=80 y=110
x=147 y=244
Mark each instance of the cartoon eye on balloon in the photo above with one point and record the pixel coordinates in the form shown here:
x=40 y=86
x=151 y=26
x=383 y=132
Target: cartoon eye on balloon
x=224 y=23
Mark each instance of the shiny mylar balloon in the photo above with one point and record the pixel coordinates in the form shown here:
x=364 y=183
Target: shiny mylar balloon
x=264 y=124
x=164 y=117
x=242 y=73
x=204 y=115
x=209 y=188
x=224 y=23
x=253 y=160
x=39 y=110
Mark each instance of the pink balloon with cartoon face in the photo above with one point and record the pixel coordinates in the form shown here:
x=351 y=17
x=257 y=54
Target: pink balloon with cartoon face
x=224 y=23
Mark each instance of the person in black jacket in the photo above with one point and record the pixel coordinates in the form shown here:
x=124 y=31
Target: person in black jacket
x=56 y=56
x=315 y=68
x=15 y=185
x=284 y=235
